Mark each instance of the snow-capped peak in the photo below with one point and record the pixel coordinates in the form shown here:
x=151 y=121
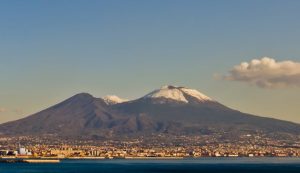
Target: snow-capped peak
x=168 y=92
x=113 y=99
x=179 y=94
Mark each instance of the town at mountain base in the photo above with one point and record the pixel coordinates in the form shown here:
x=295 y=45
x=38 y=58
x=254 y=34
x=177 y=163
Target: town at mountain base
x=169 y=110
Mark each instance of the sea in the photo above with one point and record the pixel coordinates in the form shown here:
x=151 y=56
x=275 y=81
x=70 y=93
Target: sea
x=199 y=165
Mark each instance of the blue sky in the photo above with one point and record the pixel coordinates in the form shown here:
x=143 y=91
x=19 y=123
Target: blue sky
x=51 y=50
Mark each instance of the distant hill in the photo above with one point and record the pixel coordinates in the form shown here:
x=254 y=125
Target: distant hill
x=170 y=109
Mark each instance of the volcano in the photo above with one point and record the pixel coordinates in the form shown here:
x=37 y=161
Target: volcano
x=169 y=109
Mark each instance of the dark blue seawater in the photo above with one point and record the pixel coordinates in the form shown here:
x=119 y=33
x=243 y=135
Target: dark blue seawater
x=210 y=165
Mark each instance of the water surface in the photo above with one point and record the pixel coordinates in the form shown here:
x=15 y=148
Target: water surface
x=210 y=165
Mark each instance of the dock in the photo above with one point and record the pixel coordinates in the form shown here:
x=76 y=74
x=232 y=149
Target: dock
x=41 y=161
x=29 y=160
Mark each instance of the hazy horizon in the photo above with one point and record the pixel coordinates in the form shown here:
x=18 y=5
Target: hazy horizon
x=243 y=54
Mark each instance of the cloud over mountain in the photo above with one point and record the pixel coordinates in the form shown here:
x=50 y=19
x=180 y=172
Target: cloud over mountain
x=266 y=73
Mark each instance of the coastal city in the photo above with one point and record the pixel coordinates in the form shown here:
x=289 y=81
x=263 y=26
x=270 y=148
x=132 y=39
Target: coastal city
x=155 y=147
x=153 y=86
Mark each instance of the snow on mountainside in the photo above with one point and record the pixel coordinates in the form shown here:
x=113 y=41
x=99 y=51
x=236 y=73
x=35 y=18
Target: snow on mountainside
x=178 y=94
x=113 y=99
x=194 y=93
x=168 y=92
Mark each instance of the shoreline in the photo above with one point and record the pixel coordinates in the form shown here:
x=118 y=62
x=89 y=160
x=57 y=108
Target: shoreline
x=57 y=159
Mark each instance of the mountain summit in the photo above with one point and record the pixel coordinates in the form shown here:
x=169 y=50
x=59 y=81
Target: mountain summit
x=170 y=109
x=180 y=94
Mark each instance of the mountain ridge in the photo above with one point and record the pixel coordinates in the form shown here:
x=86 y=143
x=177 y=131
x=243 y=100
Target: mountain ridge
x=169 y=109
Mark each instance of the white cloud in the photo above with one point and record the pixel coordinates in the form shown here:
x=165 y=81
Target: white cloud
x=266 y=73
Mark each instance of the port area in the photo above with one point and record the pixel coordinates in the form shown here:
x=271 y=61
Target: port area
x=21 y=160
x=57 y=160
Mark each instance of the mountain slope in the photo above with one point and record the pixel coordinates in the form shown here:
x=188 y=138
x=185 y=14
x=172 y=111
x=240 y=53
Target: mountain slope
x=71 y=116
x=80 y=115
x=170 y=109
x=193 y=109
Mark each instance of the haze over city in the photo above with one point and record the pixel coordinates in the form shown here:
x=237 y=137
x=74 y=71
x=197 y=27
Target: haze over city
x=244 y=54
